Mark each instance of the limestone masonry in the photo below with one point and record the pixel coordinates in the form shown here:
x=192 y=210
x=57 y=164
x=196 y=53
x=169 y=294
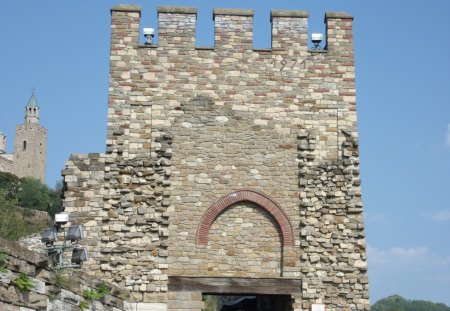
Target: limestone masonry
x=30 y=146
x=51 y=290
x=226 y=167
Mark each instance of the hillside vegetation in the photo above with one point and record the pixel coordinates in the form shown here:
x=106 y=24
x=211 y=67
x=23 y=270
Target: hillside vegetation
x=398 y=303
x=20 y=199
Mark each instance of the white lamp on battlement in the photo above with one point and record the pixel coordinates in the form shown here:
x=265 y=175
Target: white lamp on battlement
x=149 y=33
x=61 y=218
x=316 y=38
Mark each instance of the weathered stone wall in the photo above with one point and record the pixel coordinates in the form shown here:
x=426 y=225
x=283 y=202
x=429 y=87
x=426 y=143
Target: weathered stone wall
x=2 y=143
x=121 y=204
x=226 y=161
x=180 y=301
x=218 y=150
x=6 y=162
x=51 y=291
x=30 y=159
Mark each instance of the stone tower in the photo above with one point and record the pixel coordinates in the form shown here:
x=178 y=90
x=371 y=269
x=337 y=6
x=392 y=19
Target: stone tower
x=30 y=144
x=228 y=169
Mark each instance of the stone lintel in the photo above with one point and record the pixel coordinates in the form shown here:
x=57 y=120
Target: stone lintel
x=288 y=13
x=337 y=15
x=126 y=8
x=262 y=50
x=236 y=12
x=235 y=285
x=177 y=10
x=317 y=51
x=146 y=46
x=204 y=48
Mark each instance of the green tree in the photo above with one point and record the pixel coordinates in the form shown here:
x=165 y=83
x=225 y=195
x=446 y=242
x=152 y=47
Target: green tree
x=33 y=194
x=10 y=184
x=398 y=303
x=56 y=199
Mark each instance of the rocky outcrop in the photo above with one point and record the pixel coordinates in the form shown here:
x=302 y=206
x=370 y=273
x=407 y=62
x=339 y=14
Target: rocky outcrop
x=28 y=282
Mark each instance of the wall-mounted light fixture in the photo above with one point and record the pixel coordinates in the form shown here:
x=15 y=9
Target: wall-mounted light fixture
x=48 y=236
x=149 y=34
x=61 y=218
x=55 y=240
x=74 y=233
x=79 y=255
x=316 y=38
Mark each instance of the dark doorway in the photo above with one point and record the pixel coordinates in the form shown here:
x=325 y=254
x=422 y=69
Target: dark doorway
x=247 y=302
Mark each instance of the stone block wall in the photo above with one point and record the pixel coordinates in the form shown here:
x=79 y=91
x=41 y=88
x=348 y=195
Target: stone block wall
x=122 y=205
x=51 y=291
x=6 y=162
x=180 y=301
x=226 y=161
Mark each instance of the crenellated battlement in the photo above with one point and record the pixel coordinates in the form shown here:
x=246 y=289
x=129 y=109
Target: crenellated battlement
x=233 y=28
x=226 y=163
x=177 y=26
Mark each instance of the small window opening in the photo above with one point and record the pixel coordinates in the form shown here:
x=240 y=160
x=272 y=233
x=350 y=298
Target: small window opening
x=24 y=145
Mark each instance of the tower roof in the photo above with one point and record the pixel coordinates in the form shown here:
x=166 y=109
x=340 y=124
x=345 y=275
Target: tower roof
x=32 y=102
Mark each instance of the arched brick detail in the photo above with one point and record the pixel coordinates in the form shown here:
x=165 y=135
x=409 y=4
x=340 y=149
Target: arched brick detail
x=245 y=195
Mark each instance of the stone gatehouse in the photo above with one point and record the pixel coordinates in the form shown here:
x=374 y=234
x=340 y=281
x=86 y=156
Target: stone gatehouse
x=228 y=169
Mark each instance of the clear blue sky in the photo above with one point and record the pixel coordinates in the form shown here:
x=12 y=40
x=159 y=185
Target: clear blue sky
x=403 y=92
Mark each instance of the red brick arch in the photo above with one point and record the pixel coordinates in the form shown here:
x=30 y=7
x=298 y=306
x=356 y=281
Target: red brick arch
x=245 y=195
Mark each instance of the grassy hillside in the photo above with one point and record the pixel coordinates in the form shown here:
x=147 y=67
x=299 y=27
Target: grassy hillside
x=25 y=205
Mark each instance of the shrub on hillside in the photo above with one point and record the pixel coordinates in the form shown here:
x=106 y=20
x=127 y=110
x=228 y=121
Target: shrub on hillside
x=398 y=303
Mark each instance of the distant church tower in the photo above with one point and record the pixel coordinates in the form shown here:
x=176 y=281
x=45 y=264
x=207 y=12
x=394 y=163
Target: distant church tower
x=30 y=144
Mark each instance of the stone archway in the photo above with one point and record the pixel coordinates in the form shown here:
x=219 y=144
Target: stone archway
x=239 y=196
